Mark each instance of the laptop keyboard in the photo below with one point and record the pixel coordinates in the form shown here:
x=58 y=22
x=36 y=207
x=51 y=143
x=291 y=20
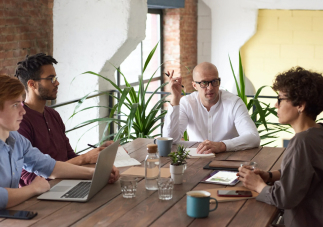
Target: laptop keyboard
x=78 y=191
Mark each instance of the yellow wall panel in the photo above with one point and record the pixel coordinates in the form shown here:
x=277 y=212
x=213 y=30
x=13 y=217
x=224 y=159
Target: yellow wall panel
x=318 y=52
x=308 y=37
x=318 y=23
x=297 y=51
x=272 y=13
x=295 y=23
x=284 y=39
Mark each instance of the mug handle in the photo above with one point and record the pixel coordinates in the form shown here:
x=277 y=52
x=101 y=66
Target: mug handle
x=216 y=204
x=154 y=141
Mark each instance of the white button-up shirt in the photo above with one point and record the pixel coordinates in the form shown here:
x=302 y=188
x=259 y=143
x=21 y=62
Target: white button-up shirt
x=227 y=121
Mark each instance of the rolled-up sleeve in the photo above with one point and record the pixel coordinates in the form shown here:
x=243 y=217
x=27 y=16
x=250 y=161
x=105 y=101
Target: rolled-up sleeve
x=3 y=198
x=35 y=161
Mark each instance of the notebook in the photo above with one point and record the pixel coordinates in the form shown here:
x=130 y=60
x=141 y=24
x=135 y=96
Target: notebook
x=84 y=190
x=194 y=154
x=123 y=159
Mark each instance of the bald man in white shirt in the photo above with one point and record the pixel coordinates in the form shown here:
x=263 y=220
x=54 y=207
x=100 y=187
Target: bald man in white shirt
x=217 y=118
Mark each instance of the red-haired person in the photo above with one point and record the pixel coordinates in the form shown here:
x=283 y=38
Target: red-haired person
x=298 y=186
x=16 y=152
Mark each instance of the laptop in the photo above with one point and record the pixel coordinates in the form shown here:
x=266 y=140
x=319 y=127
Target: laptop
x=84 y=190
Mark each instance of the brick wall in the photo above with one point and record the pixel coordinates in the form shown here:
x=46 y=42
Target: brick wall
x=180 y=41
x=26 y=28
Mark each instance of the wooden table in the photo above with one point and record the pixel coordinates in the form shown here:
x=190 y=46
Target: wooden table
x=109 y=208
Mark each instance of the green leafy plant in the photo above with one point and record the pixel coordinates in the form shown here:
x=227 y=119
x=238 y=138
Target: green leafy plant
x=261 y=110
x=179 y=157
x=139 y=123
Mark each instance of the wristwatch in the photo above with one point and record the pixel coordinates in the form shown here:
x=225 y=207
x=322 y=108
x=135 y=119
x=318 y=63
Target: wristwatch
x=270 y=176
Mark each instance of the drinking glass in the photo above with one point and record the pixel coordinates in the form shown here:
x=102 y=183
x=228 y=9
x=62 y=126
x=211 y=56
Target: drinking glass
x=250 y=165
x=165 y=188
x=128 y=186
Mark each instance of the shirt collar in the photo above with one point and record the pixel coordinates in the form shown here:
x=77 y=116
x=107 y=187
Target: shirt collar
x=212 y=107
x=10 y=141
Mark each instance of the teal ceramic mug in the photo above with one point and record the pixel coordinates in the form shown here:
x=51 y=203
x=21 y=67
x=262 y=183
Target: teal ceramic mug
x=198 y=204
x=164 y=145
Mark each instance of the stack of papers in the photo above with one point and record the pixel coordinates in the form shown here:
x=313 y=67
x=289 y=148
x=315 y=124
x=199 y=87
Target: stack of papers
x=123 y=159
x=194 y=154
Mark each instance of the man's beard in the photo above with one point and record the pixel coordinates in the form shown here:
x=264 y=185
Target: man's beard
x=44 y=94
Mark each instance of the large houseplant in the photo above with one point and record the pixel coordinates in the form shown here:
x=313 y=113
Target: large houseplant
x=261 y=111
x=178 y=163
x=139 y=123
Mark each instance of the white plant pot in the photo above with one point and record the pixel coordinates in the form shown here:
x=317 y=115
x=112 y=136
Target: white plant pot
x=177 y=173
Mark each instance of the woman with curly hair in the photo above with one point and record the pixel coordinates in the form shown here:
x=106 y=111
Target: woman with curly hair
x=298 y=186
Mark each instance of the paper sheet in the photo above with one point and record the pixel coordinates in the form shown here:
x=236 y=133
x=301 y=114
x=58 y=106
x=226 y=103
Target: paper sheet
x=123 y=159
x=194 y=154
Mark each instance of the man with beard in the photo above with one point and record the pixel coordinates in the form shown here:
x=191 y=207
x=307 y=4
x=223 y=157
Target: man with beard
x=215 y=117
x=42 y=125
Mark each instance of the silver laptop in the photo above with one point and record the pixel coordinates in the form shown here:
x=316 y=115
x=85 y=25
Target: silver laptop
x=83 y=190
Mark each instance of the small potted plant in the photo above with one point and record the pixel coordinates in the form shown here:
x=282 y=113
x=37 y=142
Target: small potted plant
x=178 y=164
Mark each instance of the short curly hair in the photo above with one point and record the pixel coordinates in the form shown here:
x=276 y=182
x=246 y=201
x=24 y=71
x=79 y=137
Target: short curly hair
x=30 y=68
x=302 y=86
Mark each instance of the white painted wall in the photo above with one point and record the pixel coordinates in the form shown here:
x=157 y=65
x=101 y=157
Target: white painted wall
x=204 y=28
x=233 y=22
x=87 y=36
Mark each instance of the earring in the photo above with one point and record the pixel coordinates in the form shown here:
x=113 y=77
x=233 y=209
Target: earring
x=299 y=111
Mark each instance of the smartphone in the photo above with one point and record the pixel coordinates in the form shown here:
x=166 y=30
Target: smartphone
x=17 y=214
x=234 y=193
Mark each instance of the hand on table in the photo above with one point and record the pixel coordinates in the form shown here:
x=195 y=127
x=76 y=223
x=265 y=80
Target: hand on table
x=207 y=147
x=251 y=179
x=175 y=85
x=40 y=185
x=114 y=175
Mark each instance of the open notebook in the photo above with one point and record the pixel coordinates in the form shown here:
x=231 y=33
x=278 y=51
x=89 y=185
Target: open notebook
x=123 y=159
x=194 y=154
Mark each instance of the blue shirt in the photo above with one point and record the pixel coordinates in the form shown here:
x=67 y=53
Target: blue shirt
x=16 y=154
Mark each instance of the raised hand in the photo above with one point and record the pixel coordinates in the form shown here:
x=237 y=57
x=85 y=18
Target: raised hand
x=175 y=85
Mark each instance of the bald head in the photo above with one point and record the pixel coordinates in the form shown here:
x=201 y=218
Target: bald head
x=204 y=68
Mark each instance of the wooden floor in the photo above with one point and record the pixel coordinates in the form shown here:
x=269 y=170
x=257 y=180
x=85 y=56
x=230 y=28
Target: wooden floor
x=109 y=208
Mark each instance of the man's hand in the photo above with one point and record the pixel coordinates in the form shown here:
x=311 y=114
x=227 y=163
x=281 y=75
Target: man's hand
x=107 y=143
x=40 y=185
x=175 y=85
x=207 y=147
x=92 y=156
x=251 y=180
x=114 y=175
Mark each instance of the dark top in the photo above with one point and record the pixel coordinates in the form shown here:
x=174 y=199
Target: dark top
x=46 y=132
x=300 y=188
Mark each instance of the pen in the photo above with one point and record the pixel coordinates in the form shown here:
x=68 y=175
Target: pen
x=168 y=76
x=91 y=145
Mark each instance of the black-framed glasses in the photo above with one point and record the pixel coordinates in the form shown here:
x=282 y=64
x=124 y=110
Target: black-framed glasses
x=205 y=84
x=53 y=79
x=280 y=99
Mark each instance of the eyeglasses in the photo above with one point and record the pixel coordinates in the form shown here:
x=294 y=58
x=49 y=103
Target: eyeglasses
x=205 y=84
x=53 y=79
x=280 y=99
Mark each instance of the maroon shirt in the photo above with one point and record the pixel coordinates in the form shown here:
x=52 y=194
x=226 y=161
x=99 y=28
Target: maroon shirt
x=46 y=132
